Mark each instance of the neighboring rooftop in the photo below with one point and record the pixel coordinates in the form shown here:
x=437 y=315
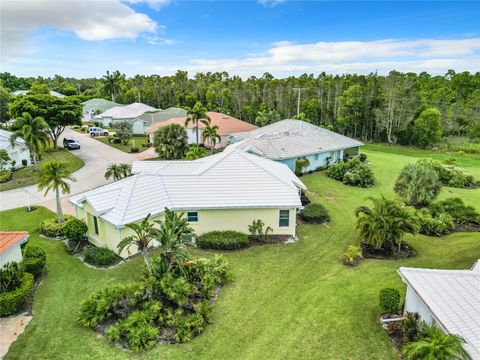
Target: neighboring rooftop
x=453 y=298
x=289 y=138
x=226 y=124
x=151 y=117
x=8 y=240
x=5 y=139
x=126 y=112
x=204 y=183
x=98 y=104
x=23 y=92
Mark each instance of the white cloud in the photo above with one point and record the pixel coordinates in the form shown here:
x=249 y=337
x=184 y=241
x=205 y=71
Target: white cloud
x=270 y=3
x=89 y=19
x=154 y=4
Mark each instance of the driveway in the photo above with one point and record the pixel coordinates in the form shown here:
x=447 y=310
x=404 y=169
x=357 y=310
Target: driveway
x=96 y=155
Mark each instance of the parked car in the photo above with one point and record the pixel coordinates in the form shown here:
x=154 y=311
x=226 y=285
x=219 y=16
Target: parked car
x=71 y=144
x=97 y=131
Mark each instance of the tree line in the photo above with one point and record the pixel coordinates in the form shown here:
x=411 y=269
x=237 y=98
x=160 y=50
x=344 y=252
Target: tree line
x=368 y=107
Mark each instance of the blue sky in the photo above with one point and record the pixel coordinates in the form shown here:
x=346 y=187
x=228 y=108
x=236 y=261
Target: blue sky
x=72 y=38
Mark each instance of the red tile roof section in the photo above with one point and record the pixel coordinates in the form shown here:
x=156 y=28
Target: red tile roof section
x=9 y=239
x=226 y=124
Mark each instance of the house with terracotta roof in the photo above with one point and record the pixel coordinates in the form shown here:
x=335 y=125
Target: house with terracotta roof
x=10 y=249
x=226 y=125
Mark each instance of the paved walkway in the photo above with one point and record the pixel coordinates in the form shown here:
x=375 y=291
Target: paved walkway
x=10 y=328
x=96 y=155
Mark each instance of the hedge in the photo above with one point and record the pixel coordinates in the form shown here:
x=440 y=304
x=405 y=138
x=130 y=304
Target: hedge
x=389 y=300
x=34 y=260
x=223 y=240
x=99 y=256
x=314 y=214
x=51 y=228
x=12 y=301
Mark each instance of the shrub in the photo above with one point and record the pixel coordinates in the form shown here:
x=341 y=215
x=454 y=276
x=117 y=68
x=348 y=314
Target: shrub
x=116 y=140
x=75 y=229
x=12 y=301
x=352 y=173
x=223 y=240
x=24 y=162
x=99 y=256
x=439 y=225
x=411 y=327
x=34 y=260
x=51 y=228
x=11 y=275
x=362 y=157
x=301 y=165
x=5 y=175
x=257 y=230
x=352 y=255
x=314 y=214
x=450 y=175
x=389 y=300
x=134 y=149
x=461 y=213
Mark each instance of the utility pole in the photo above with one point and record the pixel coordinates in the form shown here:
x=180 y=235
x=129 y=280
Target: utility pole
x=298 y=100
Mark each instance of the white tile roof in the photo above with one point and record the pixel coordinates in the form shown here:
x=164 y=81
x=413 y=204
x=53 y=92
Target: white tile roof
x=231 y=179
x=24 y=92
x=286 y=139
x=453 y=297
x=126 y=112
x=5 y=139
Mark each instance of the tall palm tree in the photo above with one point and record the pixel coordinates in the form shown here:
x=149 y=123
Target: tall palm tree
x=112 y=83
x=53 y=175
x=384 y=225
x=197 y=114
x=436 y=345
x=144 y=234
x=34 y=132
x=113 y=171
x=211 y=133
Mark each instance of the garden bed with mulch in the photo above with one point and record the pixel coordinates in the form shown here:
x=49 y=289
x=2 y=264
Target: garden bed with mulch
x=369 y=252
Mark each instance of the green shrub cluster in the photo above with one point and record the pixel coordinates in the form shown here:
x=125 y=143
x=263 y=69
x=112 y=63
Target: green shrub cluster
x=34 y=260
x=75 y=229
x=99 y=256
x=134 y=149
x=223 y=240
x=176 y=306
x=451 y=175
x=471 y=148
x=389 y=300
x=5 y=175
x=314 y=214
x=51 y=228
x=12 y=301
x=11 y=275
x=352 y=173
x=435 y=225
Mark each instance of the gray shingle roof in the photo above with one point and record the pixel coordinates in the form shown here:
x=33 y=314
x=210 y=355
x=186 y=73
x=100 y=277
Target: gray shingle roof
x=453 y=297
x=151 y=117
x=286 y=139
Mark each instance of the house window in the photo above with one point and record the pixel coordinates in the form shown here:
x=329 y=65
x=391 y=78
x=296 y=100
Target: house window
x=192 y=216
x=95 y=224
x=284 y=219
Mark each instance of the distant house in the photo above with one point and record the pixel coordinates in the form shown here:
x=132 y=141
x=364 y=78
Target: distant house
x=448 y=299
x=290 y=140
x=10 y=249
x=123 y=113
x=17 y=152
x=144 y=121
x=24 y=92
x=94 y=106
x=226 y=191
x=226 y=125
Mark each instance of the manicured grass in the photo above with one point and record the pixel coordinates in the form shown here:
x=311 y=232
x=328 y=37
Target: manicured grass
x=294 y=301
x=136 y=141
x=29 y=174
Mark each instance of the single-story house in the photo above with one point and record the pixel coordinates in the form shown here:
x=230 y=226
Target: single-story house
x=226 y=191
x=144 y=121
x=226 y=125
x=289 y=140
x=10 y=249
x=97 y=105
x=123 y=113
x=24 y=92
x=17 y=152
x=448 y=299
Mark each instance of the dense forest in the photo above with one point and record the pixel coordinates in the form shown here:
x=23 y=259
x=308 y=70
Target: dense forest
x=369 y=107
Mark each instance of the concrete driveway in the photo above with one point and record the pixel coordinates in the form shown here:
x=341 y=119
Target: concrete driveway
x=96 y=155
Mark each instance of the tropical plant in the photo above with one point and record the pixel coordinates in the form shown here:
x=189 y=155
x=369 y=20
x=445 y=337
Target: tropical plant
x=11 y=275
x=195 y=152
x=351 y=172
x=53 y=175
x=384 y=225
x=4 y=158
x=411 y=327
x=34 y=132
x=144 y=235
x=125 y=170
x=197 y=114
x=112 y=83
x=113 y=171
x=436 y=345
x=301 y=165
x=170 y=142
x=352 y=255
x=123 y=131
x=258 y=230
x=210 y=135
x=418 y=184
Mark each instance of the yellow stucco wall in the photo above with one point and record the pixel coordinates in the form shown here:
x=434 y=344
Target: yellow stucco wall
x=208 y=220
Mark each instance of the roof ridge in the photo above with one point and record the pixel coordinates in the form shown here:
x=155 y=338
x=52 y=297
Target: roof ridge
x=134 y=182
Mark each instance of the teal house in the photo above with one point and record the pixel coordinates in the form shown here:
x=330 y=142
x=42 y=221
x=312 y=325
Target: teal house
x=289 y=140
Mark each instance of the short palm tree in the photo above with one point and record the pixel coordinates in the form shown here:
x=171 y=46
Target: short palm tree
x=197 y=114
x=144 y=235
x=210 y=133
x=53 y=175
x=436 y=345
x=125 y=169
x=34 y=132
x=384 y=225
x=114 y=172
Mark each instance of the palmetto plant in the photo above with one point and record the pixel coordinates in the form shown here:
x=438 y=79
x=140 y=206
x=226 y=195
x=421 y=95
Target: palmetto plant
x=114 y=172
x=436 y=345
x=35 y=133
x=384 y=225
x=197 y=114
x=210 y=133
x=53 y=175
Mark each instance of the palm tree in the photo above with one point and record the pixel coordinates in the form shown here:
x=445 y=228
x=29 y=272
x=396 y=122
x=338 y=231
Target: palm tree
x=144 y=234
x=112 y=83
x=54 y=175
x=436 y=345
x=113 y=171
x=197 y=114
x=385 y=224
x=211 y=133
x=34 y=132
x=125 y=170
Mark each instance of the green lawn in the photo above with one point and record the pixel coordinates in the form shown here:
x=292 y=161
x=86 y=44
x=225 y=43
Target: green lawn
x=294 y=301
x=135 y=141
x=28 y=175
